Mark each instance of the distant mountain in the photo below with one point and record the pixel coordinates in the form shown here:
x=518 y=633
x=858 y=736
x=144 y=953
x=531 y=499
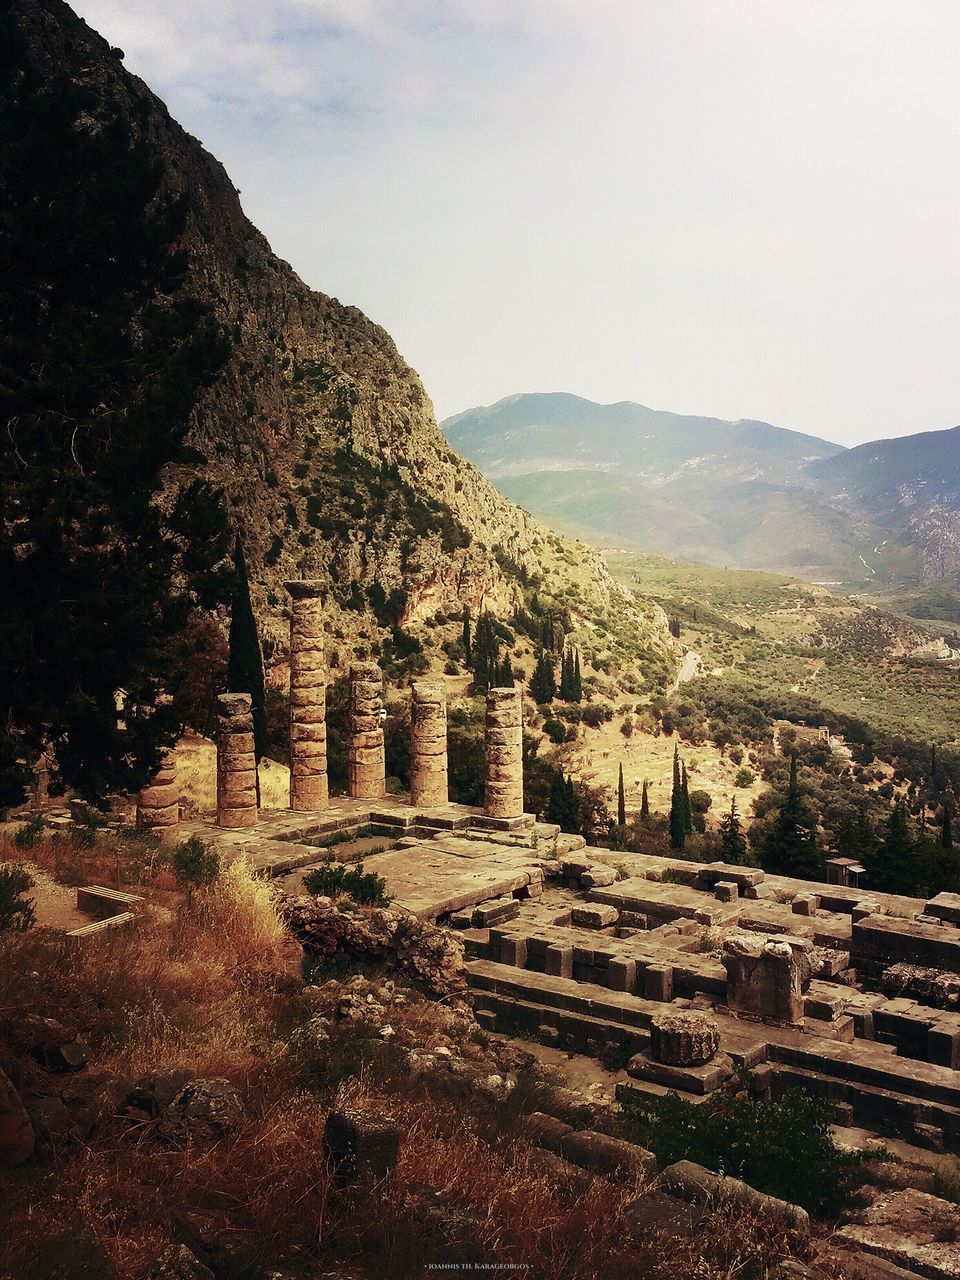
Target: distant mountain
x=744 y=494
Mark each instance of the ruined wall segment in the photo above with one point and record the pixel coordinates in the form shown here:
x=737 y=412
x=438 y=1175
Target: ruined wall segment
x=366 y=762
x=503 y=754
x=236 y=762
x=309 y=789
x=428 y=745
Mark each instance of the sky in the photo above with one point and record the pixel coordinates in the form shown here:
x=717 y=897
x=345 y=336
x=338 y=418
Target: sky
x=738 y=208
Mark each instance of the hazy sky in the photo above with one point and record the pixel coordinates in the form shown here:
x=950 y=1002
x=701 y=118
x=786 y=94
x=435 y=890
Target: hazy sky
x=745 y=208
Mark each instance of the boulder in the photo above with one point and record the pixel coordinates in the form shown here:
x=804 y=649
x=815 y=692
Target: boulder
x=16 y=1131
x=154 y=1091
x=358 y=1142
x=202 y=1112
x=179 y=1264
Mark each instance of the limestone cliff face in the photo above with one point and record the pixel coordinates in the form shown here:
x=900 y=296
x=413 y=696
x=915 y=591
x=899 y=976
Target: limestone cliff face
x=320 y=435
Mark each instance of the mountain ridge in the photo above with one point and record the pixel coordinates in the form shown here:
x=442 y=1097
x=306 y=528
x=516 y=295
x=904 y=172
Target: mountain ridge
x=744 y=493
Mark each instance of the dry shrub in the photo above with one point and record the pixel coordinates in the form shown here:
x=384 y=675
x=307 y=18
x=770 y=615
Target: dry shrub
x=240 y=910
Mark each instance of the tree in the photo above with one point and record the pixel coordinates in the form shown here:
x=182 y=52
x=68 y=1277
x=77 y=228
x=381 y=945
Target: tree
x=245 y=662
x=733 y=842
x=893 y=866
x=790 y=846
x=467 y=639
x=16 y=910
x=678 y=824
x=946 y=829
x=486 y=653
x=621 y=801
x=645 y=802
x=687 y=808
x=543 y=683
x=104 y=356
x=195 y=865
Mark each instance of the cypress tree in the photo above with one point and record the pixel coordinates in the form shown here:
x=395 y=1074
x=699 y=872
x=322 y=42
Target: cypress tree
x=245 y=662
x=573 y=808
x=946 y=831
x=685 y=793
x=678 y=827
x=621 y=801
x=892 y=866
x=543 y=683
x=733 y=843
x=790 y=847
x=467 y=639
x=577 y=682
x=644 y=803
x=505 y=678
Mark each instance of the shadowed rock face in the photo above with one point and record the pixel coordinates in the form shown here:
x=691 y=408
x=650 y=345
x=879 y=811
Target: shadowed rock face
x=320 y=435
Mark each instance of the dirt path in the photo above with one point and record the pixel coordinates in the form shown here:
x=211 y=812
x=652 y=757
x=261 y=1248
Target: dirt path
x=690 y=668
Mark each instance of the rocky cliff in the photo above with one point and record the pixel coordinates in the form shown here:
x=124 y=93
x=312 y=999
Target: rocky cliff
x=319 y=434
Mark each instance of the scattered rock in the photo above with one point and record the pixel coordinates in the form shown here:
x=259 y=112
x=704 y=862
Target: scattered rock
x=202 y=1112
x=397 y=939
x=154 y=1092
x=179 y=1264
x=357 y=1143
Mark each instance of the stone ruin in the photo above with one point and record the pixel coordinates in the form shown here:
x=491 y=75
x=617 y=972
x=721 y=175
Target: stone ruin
x=683 y=1038
x=158 y=803
x=308 y=699
x=767 y=977
x=366 y=763
x=236 y=762
x=428 y=745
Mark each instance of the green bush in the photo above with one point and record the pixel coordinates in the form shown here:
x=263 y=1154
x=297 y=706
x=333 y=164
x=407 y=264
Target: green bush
x=744 y=777
x=783 y=1147
x=195 y=865
x=27 y=835
x=332 y=878
x=16 y=911
x=555 y=731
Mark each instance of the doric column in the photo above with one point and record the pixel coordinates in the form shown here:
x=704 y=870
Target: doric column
x=308 y=699
x=503 y=754
x=236 y=762
x=428 y=745
x=158 y=803
x=365 y=756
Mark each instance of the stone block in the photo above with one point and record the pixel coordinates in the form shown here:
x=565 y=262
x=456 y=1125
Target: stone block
x=610 y=1156
x=805 y=904
x=658 y=982
x=559 y=961
x=621 y=974
x=358 y=1142
x=598 y=877
x=598 y=915
x=946 y=907
x=726 y=891
x=693 y=1183
x=767 y=977
x=683 y=1037
x=545 y=1131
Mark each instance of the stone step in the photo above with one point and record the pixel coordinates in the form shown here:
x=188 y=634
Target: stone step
x=874 y=1108
x=874 y=1065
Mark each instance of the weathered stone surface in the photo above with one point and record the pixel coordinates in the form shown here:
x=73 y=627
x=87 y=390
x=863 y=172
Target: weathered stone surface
x=428 y=745
x=933 y=987
x=203 y=1111
x=236 y=762
x=431 y=955
x=767 y=977
x=358 y=1142
x=602 y=1154
x=16 y=1131
x=697 y=1185
x=503 y=754
x=179 y=1264
x=912 y=1229
x=597 y=915
x=683 y=1037
x=309 y=786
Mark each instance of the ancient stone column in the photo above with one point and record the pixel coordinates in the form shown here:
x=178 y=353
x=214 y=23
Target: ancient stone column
x=365 y=756
x=236 y=762
x=683 y=1038
x=428 y=745
x=503 y=752
x=308 y=699
x=158 y=803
